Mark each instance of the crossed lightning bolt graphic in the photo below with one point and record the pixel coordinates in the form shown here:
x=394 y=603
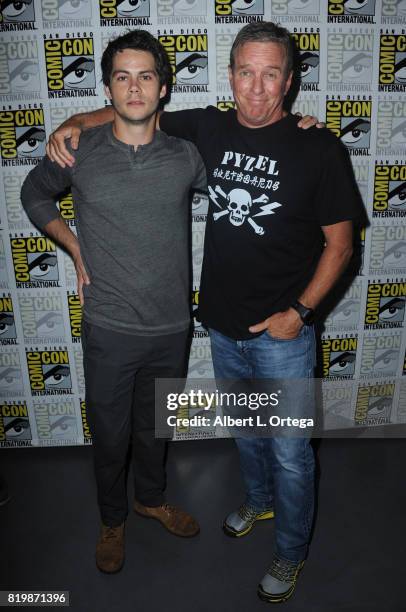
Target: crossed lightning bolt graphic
x=267 y=209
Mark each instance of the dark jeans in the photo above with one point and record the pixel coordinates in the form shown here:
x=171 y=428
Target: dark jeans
x=120 y=372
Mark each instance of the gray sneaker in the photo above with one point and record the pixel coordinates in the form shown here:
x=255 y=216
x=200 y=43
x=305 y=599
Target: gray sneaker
x=279 y=582
x=241 y=521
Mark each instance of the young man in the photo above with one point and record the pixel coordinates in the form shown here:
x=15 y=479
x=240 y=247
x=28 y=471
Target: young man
x=277 y=193
x=130 y=187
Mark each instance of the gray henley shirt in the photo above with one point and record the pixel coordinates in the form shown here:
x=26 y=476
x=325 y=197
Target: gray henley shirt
x=132 y=219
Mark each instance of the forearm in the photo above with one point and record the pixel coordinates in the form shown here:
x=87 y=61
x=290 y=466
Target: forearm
x=63 y=235
x=332 y=264
x=85 y=121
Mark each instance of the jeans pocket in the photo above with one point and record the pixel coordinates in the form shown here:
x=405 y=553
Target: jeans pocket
x=276 y=339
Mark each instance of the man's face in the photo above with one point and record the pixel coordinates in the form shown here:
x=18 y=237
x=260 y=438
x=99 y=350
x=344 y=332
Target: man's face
x=134 y=86
x=259 y=83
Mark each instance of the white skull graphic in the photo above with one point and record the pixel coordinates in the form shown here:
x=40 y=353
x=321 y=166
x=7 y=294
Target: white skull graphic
x=239 y=205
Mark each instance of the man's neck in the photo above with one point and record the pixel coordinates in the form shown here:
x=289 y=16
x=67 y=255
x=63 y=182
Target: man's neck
x=134 y=134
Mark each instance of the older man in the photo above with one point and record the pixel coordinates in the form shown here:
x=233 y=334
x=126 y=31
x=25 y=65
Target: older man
x=279 y=234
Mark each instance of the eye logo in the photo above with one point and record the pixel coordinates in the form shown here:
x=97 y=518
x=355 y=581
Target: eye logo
x=231 y=11
x=70 y=66
x=190 y=7
x=116 y=11
x=17 y=11
x=350 y=120
x=355 y=133
x=390 y=192
x=22 y=135
x=357 y=67
x=385 y=305
x=309 y=63
x=360 y=7
x=24 y=76
x=188 y=56
x=392 y=62
x=35 y=261
x=49 y=372
x=191 y=68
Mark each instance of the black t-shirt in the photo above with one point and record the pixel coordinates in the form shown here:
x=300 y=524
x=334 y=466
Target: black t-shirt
x=270 y=191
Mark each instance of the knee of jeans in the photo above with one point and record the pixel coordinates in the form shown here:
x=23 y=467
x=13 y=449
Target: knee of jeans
x=293 y=454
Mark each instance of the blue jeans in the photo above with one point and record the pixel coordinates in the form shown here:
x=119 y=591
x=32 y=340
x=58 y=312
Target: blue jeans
x=278 y=472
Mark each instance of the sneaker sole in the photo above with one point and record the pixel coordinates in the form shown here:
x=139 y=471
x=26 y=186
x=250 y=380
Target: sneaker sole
x=268 y=597
x=238 y=534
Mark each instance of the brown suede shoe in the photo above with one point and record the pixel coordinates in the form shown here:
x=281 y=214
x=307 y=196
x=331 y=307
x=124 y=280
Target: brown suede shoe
x=175 y=520
x=110 y=549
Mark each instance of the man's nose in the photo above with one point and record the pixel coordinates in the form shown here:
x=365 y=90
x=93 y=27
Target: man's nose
x=134 y=84
x=258 y=85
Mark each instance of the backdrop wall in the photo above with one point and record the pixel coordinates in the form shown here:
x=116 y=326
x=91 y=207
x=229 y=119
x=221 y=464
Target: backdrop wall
x=353 y=55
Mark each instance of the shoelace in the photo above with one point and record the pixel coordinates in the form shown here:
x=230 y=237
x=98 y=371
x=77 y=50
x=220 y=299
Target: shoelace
x=110 y=533
x=283 y=570
x=247 y=513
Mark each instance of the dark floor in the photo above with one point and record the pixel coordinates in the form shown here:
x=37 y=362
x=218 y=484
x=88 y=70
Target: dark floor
x=356 y=561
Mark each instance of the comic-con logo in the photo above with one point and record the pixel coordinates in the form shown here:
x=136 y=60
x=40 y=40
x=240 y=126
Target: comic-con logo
x=391 y=127
x=337 y=398
x=87 y=436
x=167 y=9
x=55 y=13
x=380 y=355
x=17 y=15
x=339 y=357
x=42 y=317
x=393 y=11
x=124 y=12
x=349 y=60
x=188 y=57
x=11 y=378
x=49 y=372
x=238 y=11
x=225 y=104
x=392 y=62
x=345 y=314
x=70 y=67
x=8 y=334
x=351 y=11
x=374 y=404
x=350 y=120
x=20 y=70
x=75 y=315
x=22 y=136
x=389 y=191
x=3 y=266
x=56 y=421
x=17 y=218
x=308 y=45
x=296 y=10
x=35 y=262
x=388 y=249
x=200 y=363
x=67 y=209
x=385 y=305
x=198 y=331
x=15 y=427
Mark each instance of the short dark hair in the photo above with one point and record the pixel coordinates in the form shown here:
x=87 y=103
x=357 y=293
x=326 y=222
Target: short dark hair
x=138 y=40
x=265 y=31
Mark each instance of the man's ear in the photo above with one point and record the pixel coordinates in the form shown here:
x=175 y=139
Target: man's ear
x=107 y=91
x=230 y=76
x=162 y=93
x=288 y=82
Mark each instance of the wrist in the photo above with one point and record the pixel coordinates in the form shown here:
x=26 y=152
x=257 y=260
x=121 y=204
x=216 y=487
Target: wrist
x=305 y=313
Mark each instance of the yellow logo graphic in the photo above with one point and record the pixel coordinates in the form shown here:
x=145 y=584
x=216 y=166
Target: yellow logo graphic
x=385 y=306
x=70 y=66
x=35 y=262
x=374 y=404
x=49 y=372
x=389 y=191
x=22 y=135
